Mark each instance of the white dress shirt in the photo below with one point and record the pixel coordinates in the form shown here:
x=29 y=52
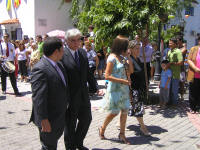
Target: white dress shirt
x=11 y=49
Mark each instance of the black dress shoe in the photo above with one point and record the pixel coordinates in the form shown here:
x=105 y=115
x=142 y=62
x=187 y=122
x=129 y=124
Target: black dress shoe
x=82 y=148
x=18 y=94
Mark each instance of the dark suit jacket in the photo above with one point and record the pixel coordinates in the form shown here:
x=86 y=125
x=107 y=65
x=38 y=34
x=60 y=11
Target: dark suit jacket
x=78 y=78
x=49 y=93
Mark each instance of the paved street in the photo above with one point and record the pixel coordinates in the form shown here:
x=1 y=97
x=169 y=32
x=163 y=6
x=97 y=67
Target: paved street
x=172 y=129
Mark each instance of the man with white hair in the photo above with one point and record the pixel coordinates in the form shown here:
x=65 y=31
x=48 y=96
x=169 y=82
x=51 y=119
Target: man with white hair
x=78 y=116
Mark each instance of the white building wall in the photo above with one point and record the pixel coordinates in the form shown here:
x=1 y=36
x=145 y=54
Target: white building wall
x=25 y=14
x=192 y=26
x=50 y=15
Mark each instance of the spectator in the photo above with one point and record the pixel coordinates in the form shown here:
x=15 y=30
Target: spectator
x=153 y=59
x=148 y=53
x=93 y=61
x=182 y=74
x=90 y=30
x=35 y=55
x=40 y=44
x=22 y=57
x=175 y=58
x=194 y=77
x=16 y=59
x=164 y=85
x=101 y=65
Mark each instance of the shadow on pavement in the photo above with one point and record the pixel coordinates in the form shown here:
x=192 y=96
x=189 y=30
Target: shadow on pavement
x=1 y=128
x=169 y=112
x=152 y=129
x=21 y=124
x=105 y=149
x=2 y=98
x=11 y=112
x=136 y=140
x=26 y=93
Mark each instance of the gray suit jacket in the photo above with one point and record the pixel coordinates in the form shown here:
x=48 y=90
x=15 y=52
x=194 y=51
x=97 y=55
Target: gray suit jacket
x=49 y=93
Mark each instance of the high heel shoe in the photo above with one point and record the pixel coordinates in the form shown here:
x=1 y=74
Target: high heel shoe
x=145 y=132
x=123 y=138
x=101 y=135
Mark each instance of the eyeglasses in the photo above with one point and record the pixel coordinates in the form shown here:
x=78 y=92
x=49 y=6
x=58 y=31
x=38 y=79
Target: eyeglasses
x=75 y=40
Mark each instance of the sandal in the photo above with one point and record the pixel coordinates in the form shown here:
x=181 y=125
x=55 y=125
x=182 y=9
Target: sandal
x=145 y=132
x=101 y=135
x=123 y=138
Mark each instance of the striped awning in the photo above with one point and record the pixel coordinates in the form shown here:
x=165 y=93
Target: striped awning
x=10 y=21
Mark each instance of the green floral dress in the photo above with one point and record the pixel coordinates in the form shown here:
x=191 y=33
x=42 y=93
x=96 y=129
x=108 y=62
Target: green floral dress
x=117 y=94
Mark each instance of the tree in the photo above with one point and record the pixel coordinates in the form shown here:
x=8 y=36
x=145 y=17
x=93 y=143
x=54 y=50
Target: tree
x=127 y=17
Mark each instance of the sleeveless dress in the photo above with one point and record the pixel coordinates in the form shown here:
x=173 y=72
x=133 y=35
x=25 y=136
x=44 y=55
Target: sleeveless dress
x=117 y=94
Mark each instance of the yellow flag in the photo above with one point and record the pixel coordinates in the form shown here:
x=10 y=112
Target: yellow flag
x=8 y=4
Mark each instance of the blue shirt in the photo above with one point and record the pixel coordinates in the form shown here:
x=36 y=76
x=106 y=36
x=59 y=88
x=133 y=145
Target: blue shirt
x=148 y=51
x=164 y=77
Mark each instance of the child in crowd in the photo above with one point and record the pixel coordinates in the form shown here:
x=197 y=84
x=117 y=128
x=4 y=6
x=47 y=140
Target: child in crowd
x=165 y=84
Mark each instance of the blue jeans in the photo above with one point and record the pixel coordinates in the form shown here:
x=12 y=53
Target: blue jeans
x=174 y=91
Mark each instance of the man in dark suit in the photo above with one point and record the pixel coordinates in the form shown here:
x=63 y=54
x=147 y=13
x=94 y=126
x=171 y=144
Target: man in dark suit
x=50 y=94
x=79 y=116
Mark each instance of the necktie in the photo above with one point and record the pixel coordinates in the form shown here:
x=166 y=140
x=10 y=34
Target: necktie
x=60 y=73
x=77 y=59
x=7 y=50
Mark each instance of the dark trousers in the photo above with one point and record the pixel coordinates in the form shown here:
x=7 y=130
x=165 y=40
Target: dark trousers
x=23 y=67
x=92 y=70
x=194 y=98
x=77 y=125
x=49 y=140
x=12 y=80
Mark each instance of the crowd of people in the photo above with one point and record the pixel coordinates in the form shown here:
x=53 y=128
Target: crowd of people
x=65 y=71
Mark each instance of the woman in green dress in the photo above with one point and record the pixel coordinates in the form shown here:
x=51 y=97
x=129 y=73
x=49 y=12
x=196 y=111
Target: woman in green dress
x=117 y=94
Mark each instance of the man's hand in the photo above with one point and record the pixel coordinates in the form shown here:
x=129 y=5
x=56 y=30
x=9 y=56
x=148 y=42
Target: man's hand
x=46 y=127
x=4 y=57
x=100 y=92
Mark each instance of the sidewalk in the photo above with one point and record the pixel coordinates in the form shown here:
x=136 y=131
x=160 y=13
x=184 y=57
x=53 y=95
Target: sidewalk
x=172 y=129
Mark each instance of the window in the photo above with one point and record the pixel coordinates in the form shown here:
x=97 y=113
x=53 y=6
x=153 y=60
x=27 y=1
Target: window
x=189 y=11
x=19 y=33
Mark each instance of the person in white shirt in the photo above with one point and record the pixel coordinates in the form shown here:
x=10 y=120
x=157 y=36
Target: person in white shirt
x=148 y=53
x=22 y=57
x=7 y=53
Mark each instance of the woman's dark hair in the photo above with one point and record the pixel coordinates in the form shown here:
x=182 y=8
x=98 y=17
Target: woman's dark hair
x=120 y=44
x=50 y=45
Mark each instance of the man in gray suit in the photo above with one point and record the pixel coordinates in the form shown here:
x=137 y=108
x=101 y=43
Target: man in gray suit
x=50 y=94
x=79 y=115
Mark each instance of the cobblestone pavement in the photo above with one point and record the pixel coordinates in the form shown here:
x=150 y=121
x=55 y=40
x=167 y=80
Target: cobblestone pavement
x=172 y=129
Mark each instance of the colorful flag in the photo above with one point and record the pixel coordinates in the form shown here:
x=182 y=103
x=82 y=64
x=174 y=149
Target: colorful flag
x=17 y=3
x=8 y=4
